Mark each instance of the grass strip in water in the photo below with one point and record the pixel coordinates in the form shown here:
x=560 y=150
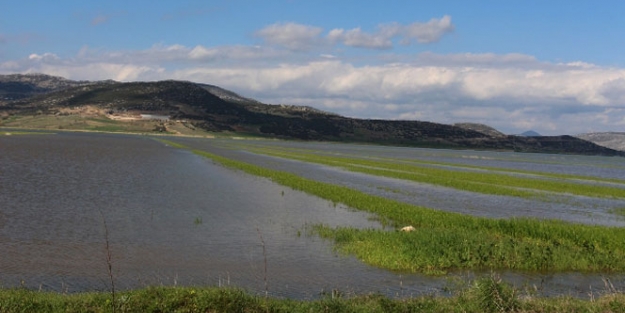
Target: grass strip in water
x=480 y=182
x=445 y=241
x=483 y=295
x=452 y=165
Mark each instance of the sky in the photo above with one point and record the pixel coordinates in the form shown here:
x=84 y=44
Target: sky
x=555 y=67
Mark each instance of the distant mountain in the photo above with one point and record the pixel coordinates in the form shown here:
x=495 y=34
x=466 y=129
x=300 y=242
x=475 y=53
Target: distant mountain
x=530 y=133
x=180 y=104
x=612 y=140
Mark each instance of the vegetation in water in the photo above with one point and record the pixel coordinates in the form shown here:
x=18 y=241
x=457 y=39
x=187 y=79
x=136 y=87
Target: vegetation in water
x=486 y=182
x=618 y=211
x=445 y=241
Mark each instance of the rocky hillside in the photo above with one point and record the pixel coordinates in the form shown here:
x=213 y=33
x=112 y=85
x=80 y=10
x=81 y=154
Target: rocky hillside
x=484 y=129
x=215 y=109
x=612 y=140
x=17 y=86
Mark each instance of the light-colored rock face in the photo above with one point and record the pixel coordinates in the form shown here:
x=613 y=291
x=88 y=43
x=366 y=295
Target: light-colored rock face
x=42 y=80
x=612 y=140
x=481 y=128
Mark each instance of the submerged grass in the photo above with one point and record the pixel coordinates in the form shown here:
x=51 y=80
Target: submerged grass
x=618 y=211
x=483 y=295
x=486 y=182
x=445 y=241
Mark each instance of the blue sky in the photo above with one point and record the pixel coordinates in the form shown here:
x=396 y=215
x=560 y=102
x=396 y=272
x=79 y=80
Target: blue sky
x=556 y=67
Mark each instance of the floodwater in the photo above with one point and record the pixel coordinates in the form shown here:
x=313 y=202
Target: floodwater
x=570 y=208
x=173 y=218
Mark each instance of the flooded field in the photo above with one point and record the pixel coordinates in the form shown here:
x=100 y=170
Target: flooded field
x=175 y=218
x=572 y=208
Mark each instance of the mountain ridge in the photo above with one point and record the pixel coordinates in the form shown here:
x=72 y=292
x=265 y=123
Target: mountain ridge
x=214 y=109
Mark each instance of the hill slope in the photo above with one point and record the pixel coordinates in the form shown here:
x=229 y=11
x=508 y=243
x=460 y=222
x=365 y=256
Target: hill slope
x=169 y=104
x=612 y=140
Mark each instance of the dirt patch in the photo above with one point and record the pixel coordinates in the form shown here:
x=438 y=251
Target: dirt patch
x=84 y=110
x=124 y=117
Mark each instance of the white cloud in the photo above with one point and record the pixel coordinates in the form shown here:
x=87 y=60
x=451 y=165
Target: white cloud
x=46 y=57
x=428 y=32
x=357 y=38
x=300 y=37
x=291 y=35
x=422 y=33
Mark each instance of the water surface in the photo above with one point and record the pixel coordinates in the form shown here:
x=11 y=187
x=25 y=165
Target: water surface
x=174 y=218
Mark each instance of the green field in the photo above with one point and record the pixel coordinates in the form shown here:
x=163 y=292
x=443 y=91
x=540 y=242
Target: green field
x=98 y=124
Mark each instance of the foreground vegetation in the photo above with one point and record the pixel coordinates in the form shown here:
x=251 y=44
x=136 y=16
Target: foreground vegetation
x=483 y=295
x=445 y=241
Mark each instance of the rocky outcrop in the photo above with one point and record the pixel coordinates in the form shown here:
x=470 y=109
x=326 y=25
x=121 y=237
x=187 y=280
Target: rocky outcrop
x=484 y=129
x=612 y=140
x=18 y=86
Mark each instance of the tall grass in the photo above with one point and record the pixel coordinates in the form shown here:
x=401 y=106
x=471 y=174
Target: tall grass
x=484 y=295
x=445 y=241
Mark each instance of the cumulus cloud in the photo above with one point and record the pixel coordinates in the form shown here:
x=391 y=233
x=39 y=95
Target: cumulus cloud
x=422 y=33
x=46 y=57
x=300 y=37
x=428 y=32
x=291 y=35
x=357 y=38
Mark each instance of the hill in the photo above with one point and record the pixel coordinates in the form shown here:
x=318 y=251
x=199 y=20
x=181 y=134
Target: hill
x=183 y=107
x=17 y=86
x=484 y=129
x=612 y=140
x=530 y=133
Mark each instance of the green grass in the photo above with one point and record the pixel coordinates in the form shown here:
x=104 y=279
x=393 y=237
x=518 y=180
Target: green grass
x=445 y=241
x=18 y=133
x=77 y=122
x=485 y=182
x=483 y=295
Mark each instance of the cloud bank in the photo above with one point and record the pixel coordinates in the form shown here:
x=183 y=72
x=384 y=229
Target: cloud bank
x=511 y=92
